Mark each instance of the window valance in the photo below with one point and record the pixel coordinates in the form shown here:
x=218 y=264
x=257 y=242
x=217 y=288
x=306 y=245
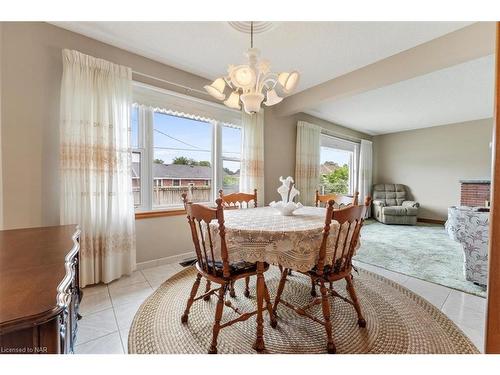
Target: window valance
x=176 y=104
x=338 y=143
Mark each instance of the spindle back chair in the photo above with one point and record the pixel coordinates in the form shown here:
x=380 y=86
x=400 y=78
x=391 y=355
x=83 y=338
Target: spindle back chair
x=216 y=268
x=352 y=217
x=239 y=199
x=236 y=201
x=199 y=218
x=350 y=220
x=339 y=199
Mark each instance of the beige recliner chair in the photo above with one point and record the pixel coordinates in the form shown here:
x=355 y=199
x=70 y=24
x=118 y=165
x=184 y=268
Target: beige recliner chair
x=390 y=205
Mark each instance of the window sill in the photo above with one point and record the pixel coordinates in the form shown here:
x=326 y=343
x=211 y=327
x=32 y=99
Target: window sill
x=162 y=213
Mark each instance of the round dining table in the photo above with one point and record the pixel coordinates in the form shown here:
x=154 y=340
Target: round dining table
x=262 y=235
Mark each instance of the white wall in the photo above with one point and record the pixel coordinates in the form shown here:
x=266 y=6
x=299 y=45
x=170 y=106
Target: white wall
x=163 y=237
x=431 y=162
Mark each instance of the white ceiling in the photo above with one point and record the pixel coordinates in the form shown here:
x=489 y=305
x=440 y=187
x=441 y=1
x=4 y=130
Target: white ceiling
x=321 y=51
x=460 y=93
x=318 y=50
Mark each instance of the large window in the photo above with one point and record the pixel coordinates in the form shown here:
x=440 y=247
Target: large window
x=175 y=154
x=338 y=166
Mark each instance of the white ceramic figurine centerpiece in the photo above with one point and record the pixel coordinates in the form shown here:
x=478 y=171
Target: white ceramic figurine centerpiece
x=287 y=190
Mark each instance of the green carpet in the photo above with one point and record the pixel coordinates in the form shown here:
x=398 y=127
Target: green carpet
x=423 y=251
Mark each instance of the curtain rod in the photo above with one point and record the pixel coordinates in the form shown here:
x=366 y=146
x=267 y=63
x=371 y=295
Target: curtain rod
x=187 y=88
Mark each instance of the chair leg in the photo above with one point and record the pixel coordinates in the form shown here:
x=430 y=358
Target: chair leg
x=313 y=288
x=330 y=347
x=207 y=289
x=269 y=307
x=354 y=298
x=280 y=268
x=194 y=290
x=281 y=286
x=232 y=293
x=247 y=289
x=259 y=344
x=218 y=317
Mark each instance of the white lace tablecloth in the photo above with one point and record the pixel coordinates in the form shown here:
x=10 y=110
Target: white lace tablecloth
x=262 y=234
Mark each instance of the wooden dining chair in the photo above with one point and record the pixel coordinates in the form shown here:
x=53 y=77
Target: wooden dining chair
x=351 y=219
x=236 y=201
x=339 y=199
x=339 y=202
x=216 y=271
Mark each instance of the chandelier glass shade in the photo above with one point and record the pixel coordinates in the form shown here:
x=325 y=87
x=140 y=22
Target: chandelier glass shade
x=249 y=84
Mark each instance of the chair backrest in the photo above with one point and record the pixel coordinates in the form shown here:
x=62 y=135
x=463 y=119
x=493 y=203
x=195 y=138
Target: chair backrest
x=199 y=217
x=238 y=200
x=339 y=199
x=390 y=194
x=350 y=219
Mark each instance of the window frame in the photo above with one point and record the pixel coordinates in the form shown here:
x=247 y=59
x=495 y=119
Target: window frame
x=222 y=158
x=146 y=149
x=141 y=150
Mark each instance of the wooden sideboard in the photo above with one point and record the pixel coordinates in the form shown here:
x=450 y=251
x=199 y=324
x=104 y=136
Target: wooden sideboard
x=39 y=289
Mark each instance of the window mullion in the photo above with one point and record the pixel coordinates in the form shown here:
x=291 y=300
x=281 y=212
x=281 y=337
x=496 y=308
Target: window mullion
x=147 y=119
x=217 y=158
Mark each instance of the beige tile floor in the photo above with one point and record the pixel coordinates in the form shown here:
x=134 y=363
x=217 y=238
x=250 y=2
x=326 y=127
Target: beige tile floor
x=108 y=310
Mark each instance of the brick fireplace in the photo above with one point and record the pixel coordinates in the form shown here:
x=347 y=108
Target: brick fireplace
x=475 y=193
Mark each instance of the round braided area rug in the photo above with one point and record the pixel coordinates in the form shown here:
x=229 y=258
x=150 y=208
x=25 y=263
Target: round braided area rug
x=398 y=321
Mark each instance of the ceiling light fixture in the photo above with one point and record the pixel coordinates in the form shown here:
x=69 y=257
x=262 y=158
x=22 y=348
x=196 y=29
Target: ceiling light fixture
x=251 y=83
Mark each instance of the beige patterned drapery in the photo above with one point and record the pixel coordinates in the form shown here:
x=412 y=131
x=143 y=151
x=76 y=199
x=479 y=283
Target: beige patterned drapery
x=307 y=161
x=252 y=155
x=365 y=172
x=95 y=160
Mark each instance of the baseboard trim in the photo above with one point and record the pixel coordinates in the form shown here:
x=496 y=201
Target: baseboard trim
x=166 y=260
x=431 y=221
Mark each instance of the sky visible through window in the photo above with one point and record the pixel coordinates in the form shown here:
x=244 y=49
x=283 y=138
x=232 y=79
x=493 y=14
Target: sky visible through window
x=134 y=125
x=231 y=147
x=340 y=157
x=177 y=136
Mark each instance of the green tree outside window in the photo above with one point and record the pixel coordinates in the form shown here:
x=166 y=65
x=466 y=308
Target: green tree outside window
x=337 y=181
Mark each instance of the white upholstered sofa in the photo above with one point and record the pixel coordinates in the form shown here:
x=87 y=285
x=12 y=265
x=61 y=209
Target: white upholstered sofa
x=469 y=227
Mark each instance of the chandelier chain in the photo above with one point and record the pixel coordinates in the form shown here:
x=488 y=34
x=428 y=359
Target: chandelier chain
x=251 y=34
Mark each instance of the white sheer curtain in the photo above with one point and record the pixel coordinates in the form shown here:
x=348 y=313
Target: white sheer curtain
x=252 y=155
x=96 y=188
x=307 y=162
x=365 y=172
